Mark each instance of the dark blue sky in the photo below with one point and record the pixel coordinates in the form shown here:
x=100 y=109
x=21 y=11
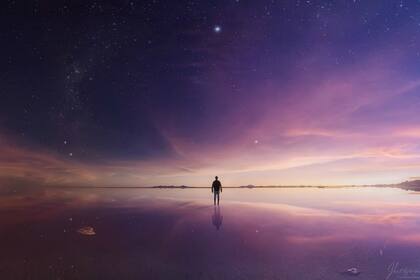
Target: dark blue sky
x=238 y=87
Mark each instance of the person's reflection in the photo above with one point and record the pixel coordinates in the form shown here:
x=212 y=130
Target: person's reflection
x=217 y=217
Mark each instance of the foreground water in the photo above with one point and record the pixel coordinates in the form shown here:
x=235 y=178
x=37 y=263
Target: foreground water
x=301 y=233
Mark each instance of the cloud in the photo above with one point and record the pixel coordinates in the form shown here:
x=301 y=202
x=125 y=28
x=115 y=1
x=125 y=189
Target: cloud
x=21 y=166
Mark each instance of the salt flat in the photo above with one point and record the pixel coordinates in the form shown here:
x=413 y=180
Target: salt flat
x=178 y=234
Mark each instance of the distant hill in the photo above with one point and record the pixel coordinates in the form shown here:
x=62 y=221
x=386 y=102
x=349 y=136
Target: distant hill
x=248 y=186
x=170 y=187
x=412 y=185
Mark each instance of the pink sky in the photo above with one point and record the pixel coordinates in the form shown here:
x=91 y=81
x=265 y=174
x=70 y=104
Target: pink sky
x=354 y=126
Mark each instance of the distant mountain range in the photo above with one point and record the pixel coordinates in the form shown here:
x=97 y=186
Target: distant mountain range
x=171 y=187
x=408 y=185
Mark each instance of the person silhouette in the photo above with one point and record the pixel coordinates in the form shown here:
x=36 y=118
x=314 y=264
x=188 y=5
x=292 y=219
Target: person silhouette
x=216 y=189
x=217 y=217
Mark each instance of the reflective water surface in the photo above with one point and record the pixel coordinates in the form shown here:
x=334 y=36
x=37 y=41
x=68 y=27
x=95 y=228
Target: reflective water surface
x=295 y=233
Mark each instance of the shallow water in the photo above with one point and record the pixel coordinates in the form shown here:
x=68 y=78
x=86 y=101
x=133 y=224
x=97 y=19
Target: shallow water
x=293 y=233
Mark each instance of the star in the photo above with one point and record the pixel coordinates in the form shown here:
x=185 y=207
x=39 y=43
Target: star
x=217 y=28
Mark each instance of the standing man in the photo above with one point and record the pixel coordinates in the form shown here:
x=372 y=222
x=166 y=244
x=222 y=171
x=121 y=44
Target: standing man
x=216 y=189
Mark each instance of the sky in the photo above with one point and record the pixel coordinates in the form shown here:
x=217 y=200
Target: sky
x=143 y=93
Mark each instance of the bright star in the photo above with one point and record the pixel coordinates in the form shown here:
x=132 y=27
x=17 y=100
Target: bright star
x=217 y=28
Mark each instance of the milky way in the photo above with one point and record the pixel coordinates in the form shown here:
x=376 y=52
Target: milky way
x=174 y=92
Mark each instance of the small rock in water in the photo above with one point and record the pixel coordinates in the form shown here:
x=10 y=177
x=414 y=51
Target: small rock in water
x=86 y=231
x=352 y=271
